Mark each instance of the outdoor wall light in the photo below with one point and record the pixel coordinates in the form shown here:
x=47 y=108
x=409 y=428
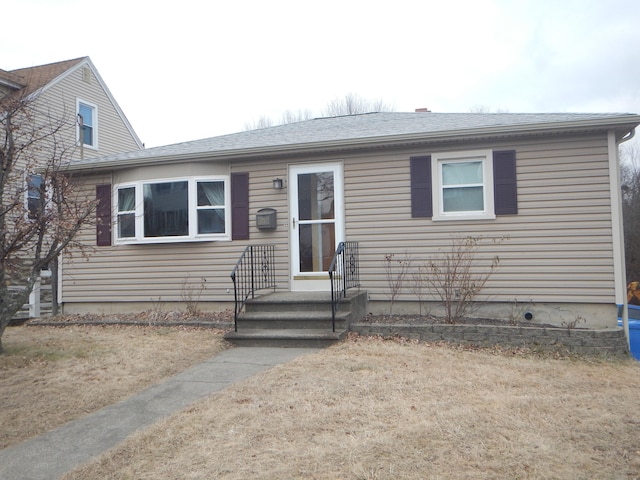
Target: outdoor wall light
x=278 y=184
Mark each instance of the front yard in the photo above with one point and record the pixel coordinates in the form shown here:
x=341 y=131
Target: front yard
x=363 y=409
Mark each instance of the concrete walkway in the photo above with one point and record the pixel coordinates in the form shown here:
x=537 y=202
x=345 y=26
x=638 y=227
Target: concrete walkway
x=56 y=452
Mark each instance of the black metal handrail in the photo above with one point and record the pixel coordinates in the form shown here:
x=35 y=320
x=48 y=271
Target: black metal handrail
x=255 y=270
x=344 y=273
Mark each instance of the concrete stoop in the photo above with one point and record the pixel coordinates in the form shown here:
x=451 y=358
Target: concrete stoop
x=296 y=319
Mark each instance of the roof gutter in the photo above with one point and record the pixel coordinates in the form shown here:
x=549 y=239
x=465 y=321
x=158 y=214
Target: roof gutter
x=627 y=137
x=10 y=84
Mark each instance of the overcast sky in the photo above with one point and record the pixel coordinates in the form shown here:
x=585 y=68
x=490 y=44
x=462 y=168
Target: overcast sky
x=189 y=69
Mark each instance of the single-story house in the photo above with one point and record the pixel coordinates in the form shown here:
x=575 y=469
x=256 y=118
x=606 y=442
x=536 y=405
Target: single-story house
x=541 y=190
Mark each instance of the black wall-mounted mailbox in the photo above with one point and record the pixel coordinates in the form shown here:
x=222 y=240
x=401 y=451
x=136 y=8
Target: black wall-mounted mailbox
x=266 y=219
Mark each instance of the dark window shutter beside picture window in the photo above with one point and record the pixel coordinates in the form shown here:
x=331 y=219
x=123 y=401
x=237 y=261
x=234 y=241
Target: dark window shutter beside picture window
x=420 y=172
x=505 y=189
x=103 y=215
x=240 y=206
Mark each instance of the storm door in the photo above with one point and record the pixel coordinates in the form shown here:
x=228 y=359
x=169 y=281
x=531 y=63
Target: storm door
x=316 y=223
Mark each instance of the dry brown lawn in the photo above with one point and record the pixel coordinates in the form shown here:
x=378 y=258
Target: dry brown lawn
x=373 y=409
x=52 y=375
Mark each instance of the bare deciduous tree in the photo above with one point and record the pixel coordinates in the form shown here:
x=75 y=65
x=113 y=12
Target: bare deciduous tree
x=289 y=116
x=486 y=109
x=352 y=104
x=630 y=171
x=41 y=208
x=262 y=122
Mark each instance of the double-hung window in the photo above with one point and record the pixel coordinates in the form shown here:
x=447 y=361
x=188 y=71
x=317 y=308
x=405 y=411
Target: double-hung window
x=35 y=189
x=463 y=185
x=87 y=124
x=185 y=209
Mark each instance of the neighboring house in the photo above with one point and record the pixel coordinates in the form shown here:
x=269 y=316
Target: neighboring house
x=71 y=90
x=73 y=93
x=396 y=183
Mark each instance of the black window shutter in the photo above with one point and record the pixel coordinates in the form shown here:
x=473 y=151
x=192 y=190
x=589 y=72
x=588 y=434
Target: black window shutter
x=240 y=206
x=103 y=215
x=420 y=172
x=505 y=189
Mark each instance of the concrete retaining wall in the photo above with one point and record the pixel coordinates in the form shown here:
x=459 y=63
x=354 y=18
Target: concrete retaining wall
x=607 y=342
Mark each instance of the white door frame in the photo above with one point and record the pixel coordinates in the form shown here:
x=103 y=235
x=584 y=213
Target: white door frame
x=317 y=280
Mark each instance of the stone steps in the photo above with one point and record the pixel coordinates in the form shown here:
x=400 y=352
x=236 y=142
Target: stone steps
x=296 y=319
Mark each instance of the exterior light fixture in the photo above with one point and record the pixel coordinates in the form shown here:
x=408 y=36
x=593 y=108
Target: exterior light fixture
x=278 y=184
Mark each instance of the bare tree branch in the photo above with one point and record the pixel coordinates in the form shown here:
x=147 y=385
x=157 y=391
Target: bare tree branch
x=33 y=234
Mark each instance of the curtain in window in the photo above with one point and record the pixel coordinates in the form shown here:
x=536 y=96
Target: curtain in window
x=211 y=220
x=126 y=199
x=210 y=194
x=126 y=221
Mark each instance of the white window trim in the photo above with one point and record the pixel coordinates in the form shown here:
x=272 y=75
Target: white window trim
x=193 y=236
x=26 y=195
x=438 y=159
x=95 y=124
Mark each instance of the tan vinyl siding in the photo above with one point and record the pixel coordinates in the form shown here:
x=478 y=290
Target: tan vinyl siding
x=139 y=273
x=558 y=248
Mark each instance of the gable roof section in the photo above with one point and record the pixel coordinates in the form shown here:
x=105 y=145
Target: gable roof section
x=368 y=131
x=33 y=80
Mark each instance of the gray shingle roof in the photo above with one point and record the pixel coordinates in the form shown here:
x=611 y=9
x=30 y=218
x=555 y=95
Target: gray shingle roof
x=371 y=127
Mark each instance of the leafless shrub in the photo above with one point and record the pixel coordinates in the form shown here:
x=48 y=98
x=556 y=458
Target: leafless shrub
x=456 y=280
x=158 y=313
x=418 y=285
x=395 y=273
x=570 y=325
x=190 y=294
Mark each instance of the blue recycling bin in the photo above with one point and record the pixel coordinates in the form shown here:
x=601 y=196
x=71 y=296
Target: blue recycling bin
x=634 y=330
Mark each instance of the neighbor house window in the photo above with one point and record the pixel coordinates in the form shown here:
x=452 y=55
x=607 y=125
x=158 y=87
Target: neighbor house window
x=462 y=185
x=186 y=209
x=87 y=124
x=34 y=195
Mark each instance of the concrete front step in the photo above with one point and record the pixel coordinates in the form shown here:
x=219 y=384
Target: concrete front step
x=306 y=337
x=290 y=302
x=296 y=320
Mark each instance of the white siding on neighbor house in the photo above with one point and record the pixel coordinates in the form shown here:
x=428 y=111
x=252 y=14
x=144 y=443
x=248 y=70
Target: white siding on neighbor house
x=558 y=248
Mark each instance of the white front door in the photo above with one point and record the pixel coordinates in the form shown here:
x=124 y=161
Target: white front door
x=316 y=223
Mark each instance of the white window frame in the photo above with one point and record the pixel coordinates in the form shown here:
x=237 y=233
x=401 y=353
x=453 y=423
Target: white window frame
x=94 y=126
x=193 y=235
x=440 y=159
x=27 y=195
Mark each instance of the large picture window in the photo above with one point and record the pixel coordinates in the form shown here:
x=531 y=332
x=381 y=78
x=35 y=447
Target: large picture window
x=463 y=185
x=188 y=209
